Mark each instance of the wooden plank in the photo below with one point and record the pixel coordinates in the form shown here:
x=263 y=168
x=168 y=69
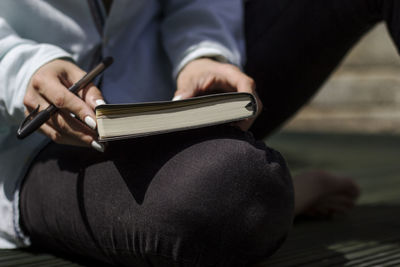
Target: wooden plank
x=370 y=233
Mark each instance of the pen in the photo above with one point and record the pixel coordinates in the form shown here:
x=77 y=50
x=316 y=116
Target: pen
x=35 y=119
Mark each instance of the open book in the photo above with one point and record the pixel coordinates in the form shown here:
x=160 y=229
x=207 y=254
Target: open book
x=118 y=121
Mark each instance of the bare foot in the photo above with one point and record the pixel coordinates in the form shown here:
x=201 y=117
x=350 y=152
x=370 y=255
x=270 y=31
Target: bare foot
x=318 y=193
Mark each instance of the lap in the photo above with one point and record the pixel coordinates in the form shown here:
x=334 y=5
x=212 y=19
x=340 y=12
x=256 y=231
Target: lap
x=186 y=197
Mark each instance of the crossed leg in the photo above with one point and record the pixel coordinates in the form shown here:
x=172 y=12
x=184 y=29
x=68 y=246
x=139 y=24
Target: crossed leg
x=207 y=197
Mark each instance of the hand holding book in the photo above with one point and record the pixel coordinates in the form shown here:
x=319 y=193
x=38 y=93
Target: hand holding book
x=206 y=76
x=198 y=104
x=199 y=78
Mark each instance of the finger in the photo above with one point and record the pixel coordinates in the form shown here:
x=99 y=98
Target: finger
x=335 y=204
x=55 y=92
x=190 y=79
x=63 y=122
x=207 y=83
x=60 y=138
x=58 y=121
x=245 y=84
x=185 y=89
x=62 y=128
x=46 y=129
x=74 y=132
x=340 y=200
x=32 y=99
x=90 y=94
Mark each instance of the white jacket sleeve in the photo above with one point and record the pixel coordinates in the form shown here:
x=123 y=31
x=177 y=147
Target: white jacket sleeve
x=206 y=28
x=19 y=60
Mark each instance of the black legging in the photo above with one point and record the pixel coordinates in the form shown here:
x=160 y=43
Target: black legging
x=208 y=197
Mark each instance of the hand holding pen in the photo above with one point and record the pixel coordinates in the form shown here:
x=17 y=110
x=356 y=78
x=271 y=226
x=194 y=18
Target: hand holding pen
x=52 y=88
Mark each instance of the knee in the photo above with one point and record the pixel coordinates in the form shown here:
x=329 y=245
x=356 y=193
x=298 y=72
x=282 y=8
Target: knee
x=260 y=202
x=235 y=198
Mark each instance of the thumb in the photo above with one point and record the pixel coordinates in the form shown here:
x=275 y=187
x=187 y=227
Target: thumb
x=185 y=86
x=184 y=90
x=182 y=95
x=92 y=96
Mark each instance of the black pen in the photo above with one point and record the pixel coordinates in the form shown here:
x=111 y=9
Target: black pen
x=35 y=120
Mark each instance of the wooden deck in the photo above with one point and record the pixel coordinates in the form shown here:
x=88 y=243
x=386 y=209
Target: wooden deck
x=369 y=236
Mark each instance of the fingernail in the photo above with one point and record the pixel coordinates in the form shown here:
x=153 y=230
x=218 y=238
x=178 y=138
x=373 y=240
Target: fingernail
x=99 y=147
x=90 y=122
x=176 y=98
x=100 y=102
